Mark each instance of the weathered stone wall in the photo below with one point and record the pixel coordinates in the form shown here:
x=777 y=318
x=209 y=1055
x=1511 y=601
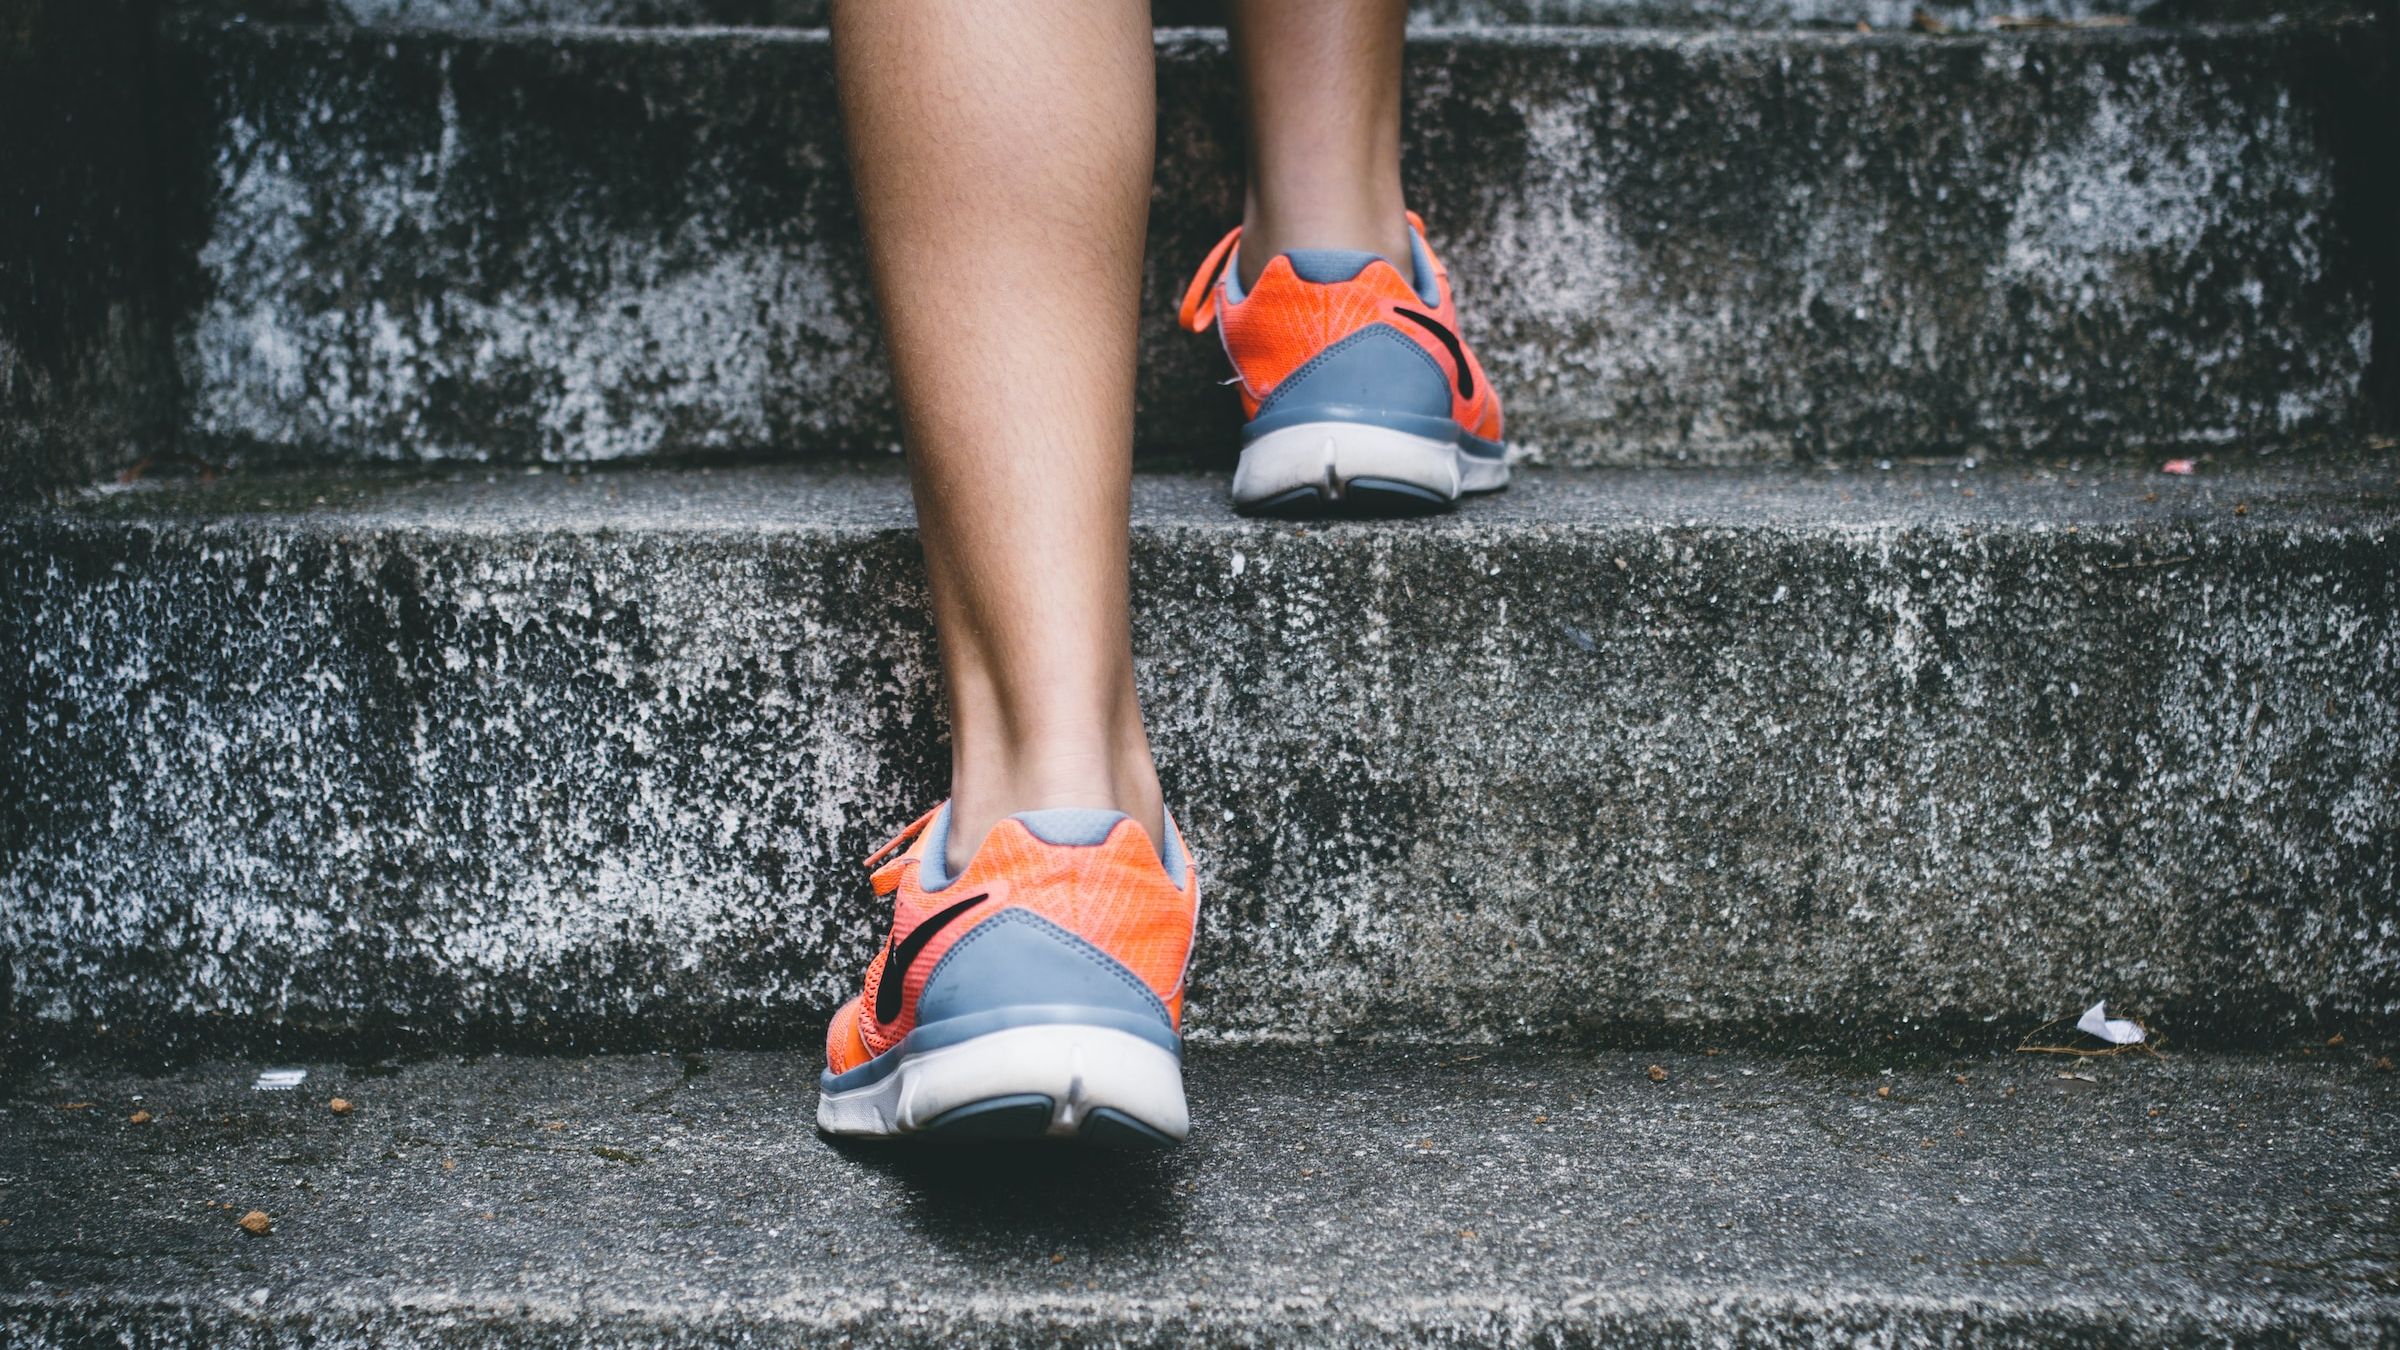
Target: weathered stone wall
x=86 y=382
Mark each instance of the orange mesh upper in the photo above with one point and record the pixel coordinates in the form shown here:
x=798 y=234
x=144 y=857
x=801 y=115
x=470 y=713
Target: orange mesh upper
x=1113 y=894
x=1284 y=321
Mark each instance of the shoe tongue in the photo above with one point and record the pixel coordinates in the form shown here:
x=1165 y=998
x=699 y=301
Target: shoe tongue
x=1077 y=825
x=1325 y=266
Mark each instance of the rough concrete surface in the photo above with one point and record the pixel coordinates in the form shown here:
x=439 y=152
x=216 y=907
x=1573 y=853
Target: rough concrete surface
x=611 y=244
x=1345 y=1199
x=595 y=756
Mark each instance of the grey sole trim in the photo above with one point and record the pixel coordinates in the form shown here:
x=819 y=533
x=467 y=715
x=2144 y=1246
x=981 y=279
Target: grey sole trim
x=1026 y=1118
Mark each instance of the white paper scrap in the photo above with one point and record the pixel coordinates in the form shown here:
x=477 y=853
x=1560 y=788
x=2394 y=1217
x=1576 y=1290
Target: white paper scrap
x=279 y=1080
x=2114 y=1030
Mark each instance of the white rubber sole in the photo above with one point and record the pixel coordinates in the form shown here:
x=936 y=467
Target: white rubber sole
x=1333 y=459
x=1094 y=1078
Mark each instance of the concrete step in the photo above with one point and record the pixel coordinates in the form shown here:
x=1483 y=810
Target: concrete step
x=1345 y=1199
x=593 y=758
x=1430 y=14
x=544 y=244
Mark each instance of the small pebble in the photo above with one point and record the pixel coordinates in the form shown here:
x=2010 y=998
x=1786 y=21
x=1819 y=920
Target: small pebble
x=340 y=1106
x=139 y=1118
x=1658 y=1073
x=1884 y=1091
x=257 y=1224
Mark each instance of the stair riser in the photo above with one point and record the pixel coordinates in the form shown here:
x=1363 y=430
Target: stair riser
x=1707 y=249
x=1452 y=783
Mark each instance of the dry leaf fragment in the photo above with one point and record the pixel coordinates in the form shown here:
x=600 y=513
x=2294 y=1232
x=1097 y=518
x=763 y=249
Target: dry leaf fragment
x=139 y=1118
x=2334 y=1039
x=1658 y=1073
x=340 y=1106
x=1885 y=1091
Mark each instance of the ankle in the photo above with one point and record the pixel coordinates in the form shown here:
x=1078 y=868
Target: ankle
x=986 y=792
x=1366 y=226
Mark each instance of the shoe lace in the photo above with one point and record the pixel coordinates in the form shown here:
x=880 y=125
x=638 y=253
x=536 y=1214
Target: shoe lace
x=1199 y=308
x=886 y=876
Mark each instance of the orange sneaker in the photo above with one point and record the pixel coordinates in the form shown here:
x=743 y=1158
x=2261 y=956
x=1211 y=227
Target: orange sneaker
x=1359 y=393
x=1038 y=993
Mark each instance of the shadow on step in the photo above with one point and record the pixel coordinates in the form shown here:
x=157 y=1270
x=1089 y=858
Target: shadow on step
x=974 y=1197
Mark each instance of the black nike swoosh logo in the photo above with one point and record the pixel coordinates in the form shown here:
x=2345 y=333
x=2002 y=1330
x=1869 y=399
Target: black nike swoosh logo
x=1458 y=354
x=893 y=984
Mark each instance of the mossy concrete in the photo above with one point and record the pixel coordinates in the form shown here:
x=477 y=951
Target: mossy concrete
x=594 y=757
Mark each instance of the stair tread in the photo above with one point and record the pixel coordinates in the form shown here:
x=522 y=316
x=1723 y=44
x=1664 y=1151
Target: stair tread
x=2355 y=492
x=1471 y=15
x=1347 y=1196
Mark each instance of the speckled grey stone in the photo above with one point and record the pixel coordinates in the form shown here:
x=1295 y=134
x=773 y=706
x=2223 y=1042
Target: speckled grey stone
x=591 y=245
x=594 y=757
x=1327 y=1199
